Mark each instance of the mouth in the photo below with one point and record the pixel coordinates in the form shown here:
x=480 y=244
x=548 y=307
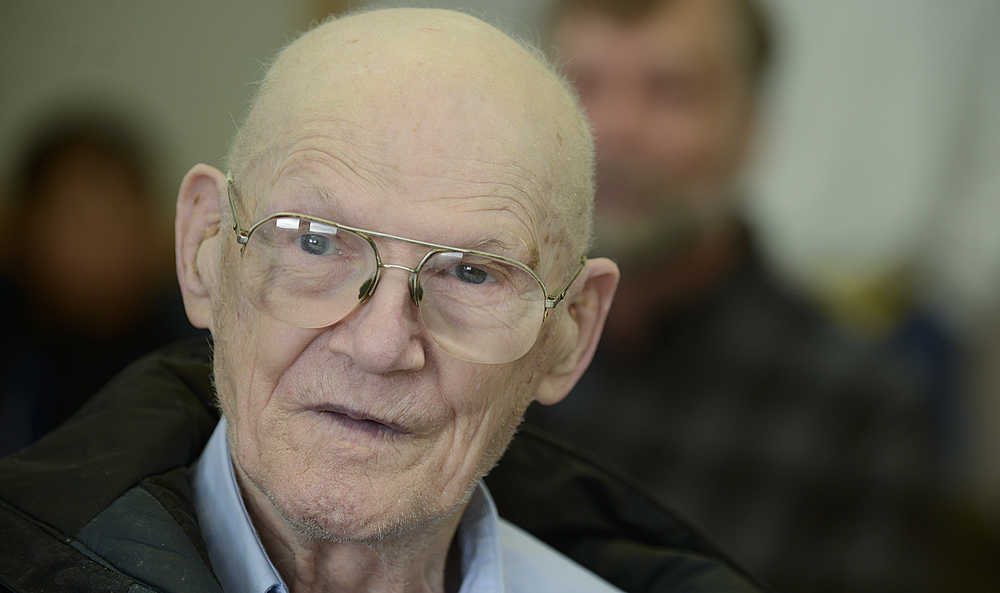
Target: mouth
x=360 y=421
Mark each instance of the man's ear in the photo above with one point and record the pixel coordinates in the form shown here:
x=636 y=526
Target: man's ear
x=196 y=231
x=587 y=309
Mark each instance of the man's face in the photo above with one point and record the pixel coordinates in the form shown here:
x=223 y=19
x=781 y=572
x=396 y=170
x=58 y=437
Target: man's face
x=367 y=427
x=100 y=289
x=671 y=107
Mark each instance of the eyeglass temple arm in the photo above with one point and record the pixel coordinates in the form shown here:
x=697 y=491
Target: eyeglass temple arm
x=241 y=236
x=551 y=302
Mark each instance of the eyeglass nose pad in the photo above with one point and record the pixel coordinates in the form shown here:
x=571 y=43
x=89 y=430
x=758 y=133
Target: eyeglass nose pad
x=366 y=288
x=416 y=291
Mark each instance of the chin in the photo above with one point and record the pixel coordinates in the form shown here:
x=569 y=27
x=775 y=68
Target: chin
x=341 y=512
x=349 y=529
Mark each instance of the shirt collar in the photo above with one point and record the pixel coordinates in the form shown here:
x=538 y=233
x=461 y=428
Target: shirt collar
x=242 y=565
x=481 y=546
x=234 y=549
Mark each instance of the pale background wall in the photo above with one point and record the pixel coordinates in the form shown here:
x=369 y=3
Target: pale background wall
x=182 y=68
x=882 y=154
x=884 y=145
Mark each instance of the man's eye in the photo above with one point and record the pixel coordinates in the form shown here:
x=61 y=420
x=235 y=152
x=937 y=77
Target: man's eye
x=315 y=244
x=472 y=275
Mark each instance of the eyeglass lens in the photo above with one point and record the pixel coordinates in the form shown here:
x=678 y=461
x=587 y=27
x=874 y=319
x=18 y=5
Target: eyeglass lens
x=313 y=274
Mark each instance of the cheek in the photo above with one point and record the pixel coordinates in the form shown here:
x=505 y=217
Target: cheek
x=252 y=353
x=490 y=391
x=486 y=413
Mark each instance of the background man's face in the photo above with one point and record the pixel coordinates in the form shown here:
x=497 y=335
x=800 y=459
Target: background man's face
x=670 y=103
x=367 y=426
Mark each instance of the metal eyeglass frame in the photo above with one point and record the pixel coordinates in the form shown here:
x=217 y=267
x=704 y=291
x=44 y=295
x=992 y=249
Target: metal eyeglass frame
x=243 y=237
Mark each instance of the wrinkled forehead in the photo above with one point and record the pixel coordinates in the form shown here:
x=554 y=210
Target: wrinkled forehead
x=451 y=208
x=426 y=122
x=411 y=169
x=407 y=120
x=449 y=92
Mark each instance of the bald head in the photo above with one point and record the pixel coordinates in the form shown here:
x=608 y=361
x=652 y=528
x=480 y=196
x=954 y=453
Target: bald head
x=434 y=80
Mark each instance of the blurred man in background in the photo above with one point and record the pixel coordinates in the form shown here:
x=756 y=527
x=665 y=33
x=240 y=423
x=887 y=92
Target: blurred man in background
x=804 y=452
x=86 y=284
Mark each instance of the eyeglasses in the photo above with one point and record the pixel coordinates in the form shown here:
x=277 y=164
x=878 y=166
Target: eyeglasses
x=312 y=272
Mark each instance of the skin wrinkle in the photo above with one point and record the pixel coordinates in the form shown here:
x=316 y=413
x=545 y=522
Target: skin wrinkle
x=524 y=219
x=377 y=173
x=514 y=207
x=304 y=155
x=356 y=136
x=530 y=246
x=514 y=204
x=522 y=193
x=491 y=442
x=457 y=444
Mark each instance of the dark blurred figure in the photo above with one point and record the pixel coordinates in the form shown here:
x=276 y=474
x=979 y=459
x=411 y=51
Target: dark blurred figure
x=808 y=454
x=87 y=282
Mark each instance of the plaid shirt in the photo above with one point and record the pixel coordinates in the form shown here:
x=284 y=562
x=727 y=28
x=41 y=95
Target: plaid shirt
x=806 y=454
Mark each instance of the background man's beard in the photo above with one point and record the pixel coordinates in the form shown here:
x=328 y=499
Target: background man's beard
x=654 y=221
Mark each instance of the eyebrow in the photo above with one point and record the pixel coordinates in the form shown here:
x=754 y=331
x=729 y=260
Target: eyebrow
x=527 y=255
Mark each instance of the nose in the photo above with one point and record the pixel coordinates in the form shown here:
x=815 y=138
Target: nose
x=384 y=335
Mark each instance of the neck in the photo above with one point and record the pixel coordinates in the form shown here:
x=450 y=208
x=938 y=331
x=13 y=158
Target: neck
x=649 y=290
x=422 y=560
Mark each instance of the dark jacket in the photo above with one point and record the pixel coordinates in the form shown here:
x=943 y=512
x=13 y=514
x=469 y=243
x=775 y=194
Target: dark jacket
x=104 y=502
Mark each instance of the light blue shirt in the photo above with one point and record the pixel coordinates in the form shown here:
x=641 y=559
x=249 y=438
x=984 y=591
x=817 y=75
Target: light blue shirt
x=497 y=556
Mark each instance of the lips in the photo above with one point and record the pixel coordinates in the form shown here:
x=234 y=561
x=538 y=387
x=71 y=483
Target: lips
x=360 y=420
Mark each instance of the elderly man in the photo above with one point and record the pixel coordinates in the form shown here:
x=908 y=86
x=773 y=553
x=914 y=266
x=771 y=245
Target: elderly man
x=392 y=271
